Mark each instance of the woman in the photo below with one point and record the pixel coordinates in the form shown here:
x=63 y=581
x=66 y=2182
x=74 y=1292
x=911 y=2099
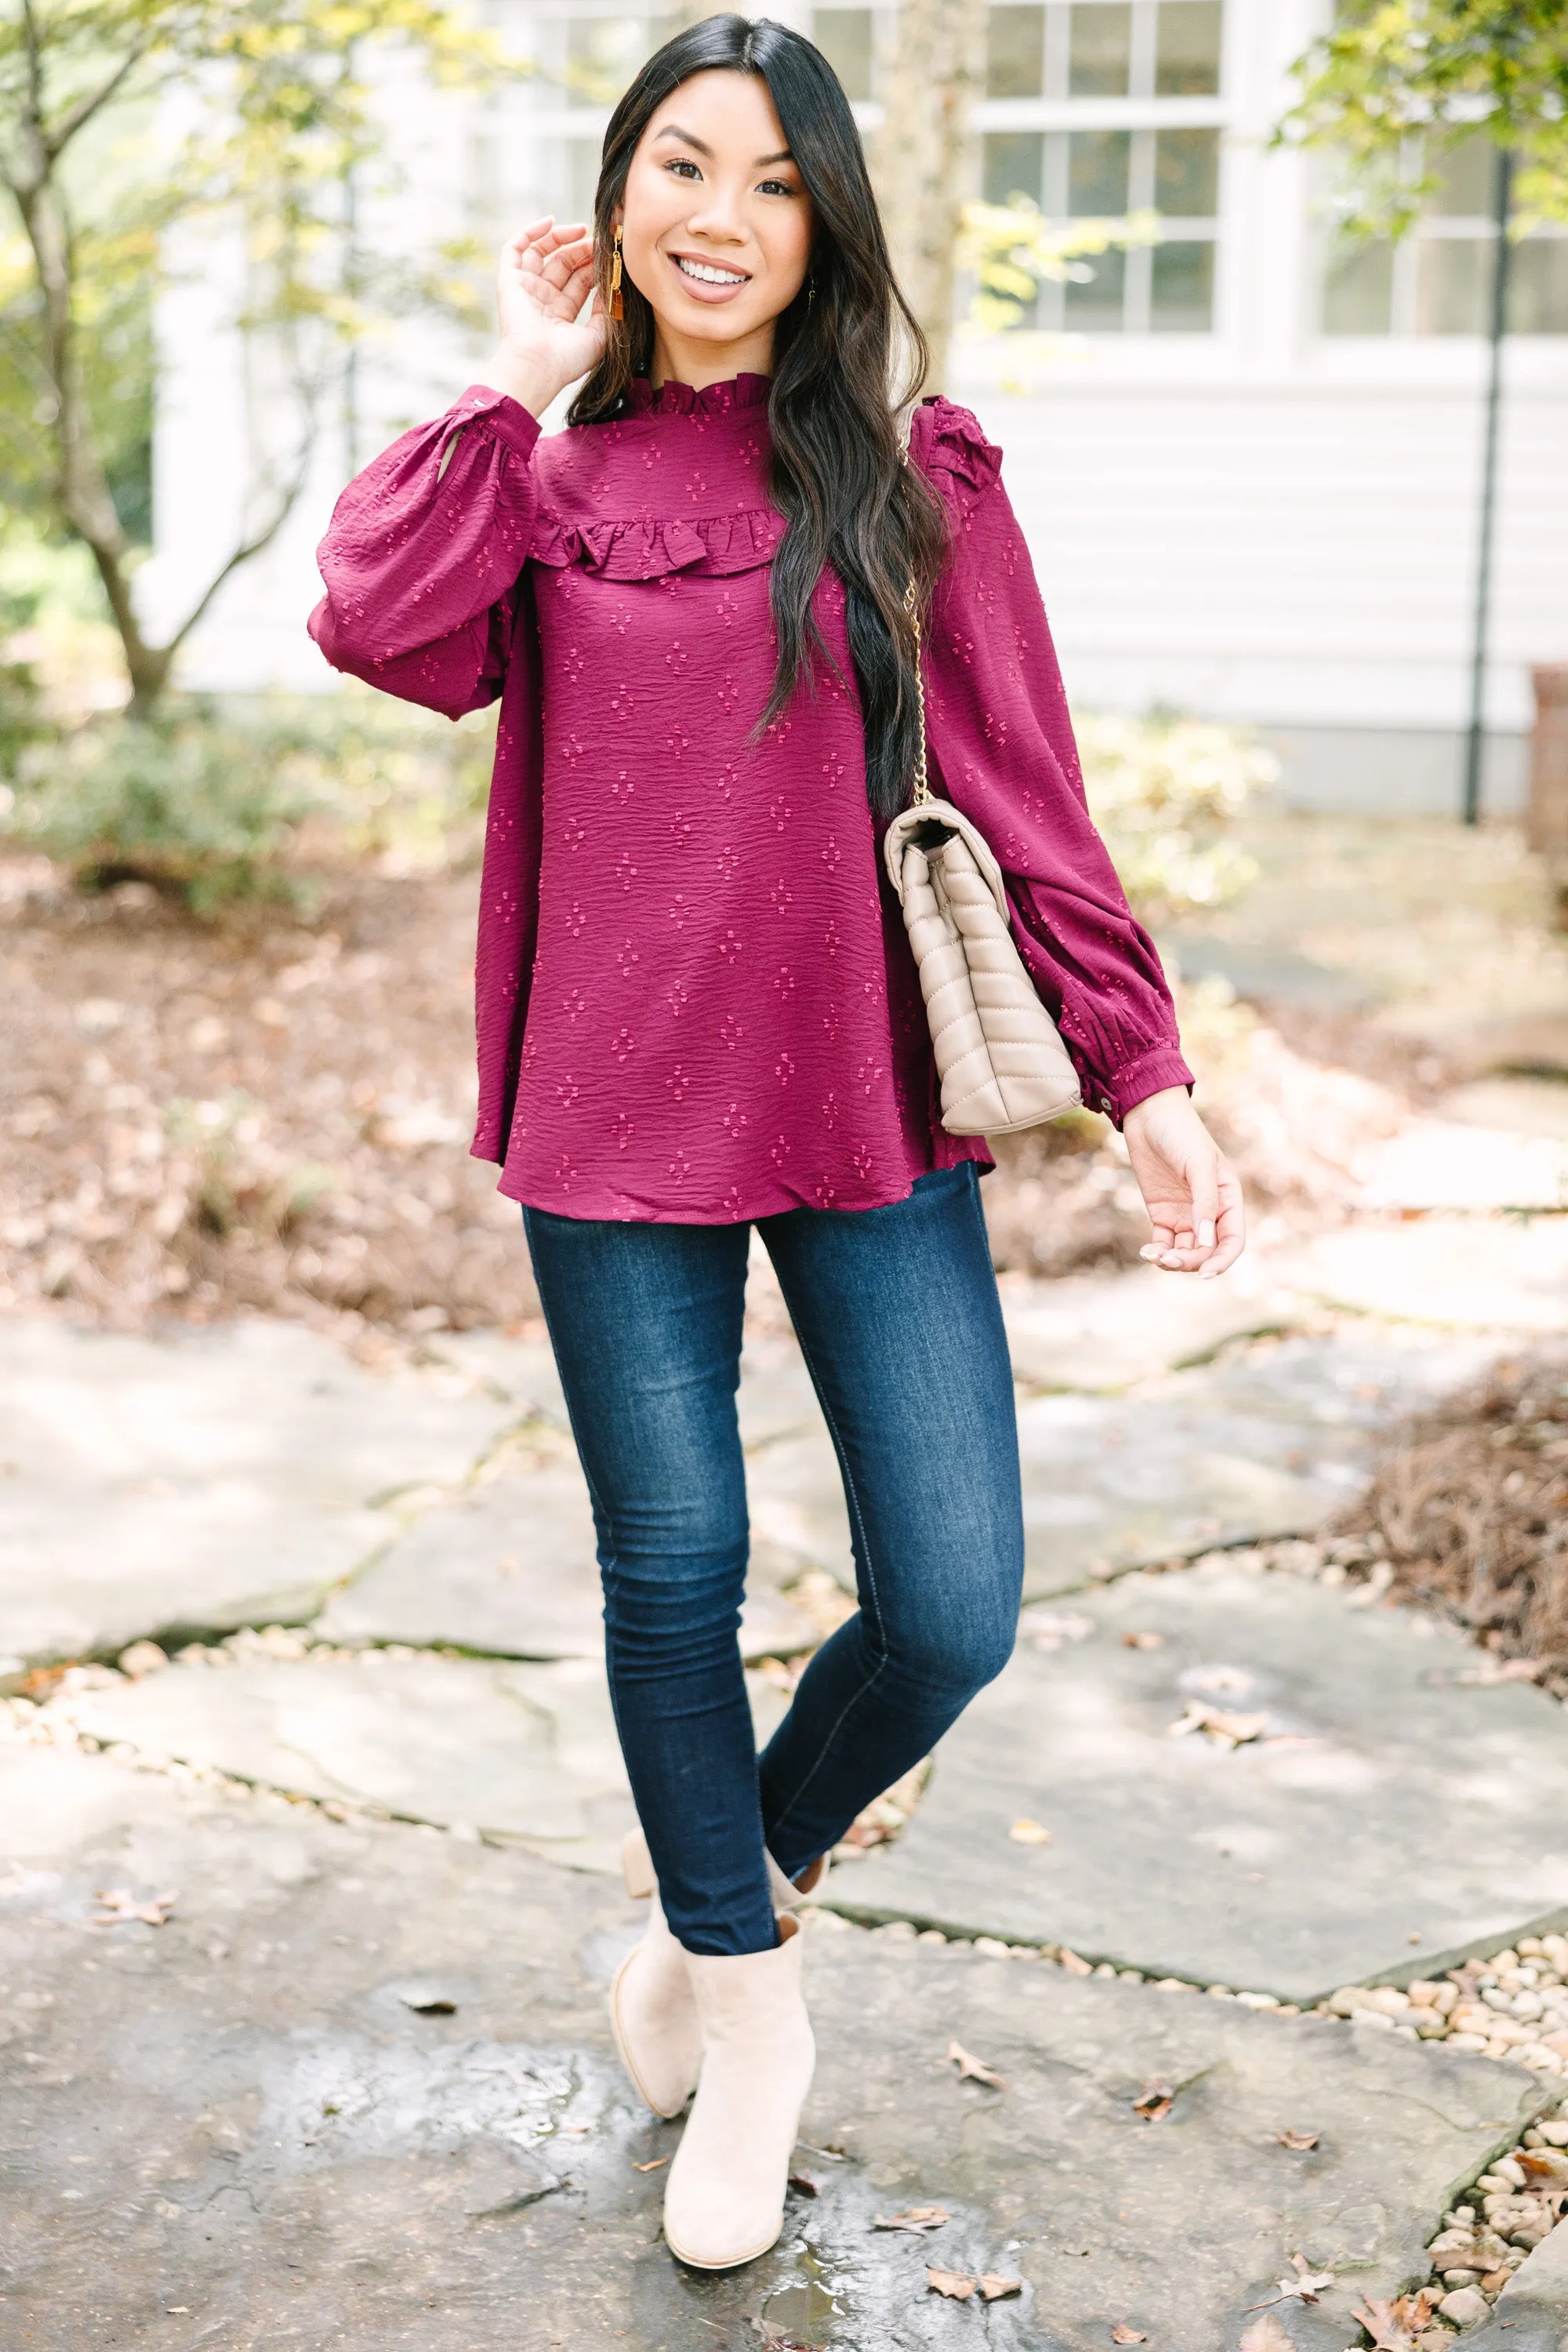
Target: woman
x=696 y=1008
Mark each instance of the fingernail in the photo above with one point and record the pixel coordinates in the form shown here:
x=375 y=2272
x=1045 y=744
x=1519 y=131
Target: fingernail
x=1205 y=1236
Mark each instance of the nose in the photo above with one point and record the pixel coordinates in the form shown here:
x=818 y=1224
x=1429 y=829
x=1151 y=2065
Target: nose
x=718 y=215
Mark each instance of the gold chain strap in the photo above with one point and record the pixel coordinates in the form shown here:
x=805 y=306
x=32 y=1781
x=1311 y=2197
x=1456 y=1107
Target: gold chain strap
x=923 y=792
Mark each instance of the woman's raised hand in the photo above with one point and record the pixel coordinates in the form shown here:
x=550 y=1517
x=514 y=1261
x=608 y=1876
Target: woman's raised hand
x=547 y=338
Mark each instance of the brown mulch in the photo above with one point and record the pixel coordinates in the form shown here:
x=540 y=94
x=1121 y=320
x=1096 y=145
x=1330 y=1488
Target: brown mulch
x=272 y=1114
x=254 y=1114
x=1469 y=1506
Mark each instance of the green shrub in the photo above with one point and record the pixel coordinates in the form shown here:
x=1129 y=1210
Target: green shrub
x=214 y=804
x=1165 y=793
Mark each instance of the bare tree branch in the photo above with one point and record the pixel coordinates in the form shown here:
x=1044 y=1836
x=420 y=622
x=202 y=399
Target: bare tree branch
x=57 y=139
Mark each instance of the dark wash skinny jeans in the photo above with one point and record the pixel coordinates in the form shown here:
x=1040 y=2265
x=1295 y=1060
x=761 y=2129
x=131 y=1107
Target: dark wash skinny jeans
x=897 y=1312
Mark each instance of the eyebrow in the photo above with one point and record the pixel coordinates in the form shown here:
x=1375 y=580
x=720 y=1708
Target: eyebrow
x=690 y=139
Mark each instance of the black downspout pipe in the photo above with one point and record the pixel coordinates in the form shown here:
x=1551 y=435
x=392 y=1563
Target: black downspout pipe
x=1475 y=743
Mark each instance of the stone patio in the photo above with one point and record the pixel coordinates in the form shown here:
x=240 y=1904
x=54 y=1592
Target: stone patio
x=358 y=2090
x=368 y=2097
x=1387 y=1816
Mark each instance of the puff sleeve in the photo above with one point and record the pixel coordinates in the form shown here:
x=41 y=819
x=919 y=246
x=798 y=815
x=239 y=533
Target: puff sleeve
x=423 y=555
x=1001 y=748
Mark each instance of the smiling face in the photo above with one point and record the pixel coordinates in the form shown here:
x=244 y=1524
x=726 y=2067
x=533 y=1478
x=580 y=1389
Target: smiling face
x=715 y=227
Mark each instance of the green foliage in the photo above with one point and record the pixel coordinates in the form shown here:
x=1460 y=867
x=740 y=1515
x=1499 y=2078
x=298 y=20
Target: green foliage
x=1013 y=250
x=1398 y=80
x=1165 y=793
x=124 y=124
x=211 y=806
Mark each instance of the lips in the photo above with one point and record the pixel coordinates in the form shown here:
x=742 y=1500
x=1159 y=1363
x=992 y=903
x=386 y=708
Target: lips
x=707 y=280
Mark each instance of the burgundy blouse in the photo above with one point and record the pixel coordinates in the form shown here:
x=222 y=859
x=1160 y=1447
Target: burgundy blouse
x=695 y=998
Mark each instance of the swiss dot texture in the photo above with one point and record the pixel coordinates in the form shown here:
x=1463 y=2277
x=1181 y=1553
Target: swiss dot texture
x=695 y=999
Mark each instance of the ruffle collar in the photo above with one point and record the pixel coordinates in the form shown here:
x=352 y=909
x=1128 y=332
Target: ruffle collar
x=673 y=399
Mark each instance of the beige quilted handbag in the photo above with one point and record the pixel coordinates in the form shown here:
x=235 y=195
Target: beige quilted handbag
x=999 y=1054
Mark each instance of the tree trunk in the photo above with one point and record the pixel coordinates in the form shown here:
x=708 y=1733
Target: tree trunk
x=81 y=487
x=923 y=155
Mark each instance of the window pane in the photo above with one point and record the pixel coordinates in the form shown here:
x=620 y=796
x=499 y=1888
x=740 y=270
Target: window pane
x=1186 y=63
x=844 y=37
x=1467 y=176
x=1014 y=52
x=1101 y=53
x=1096 y=309
x=1538 y=287
x=1011 y=165
x=1181 y=298
x=1097 y=173
x=1358 y=290
x=1186 y=173
x=1453 y=285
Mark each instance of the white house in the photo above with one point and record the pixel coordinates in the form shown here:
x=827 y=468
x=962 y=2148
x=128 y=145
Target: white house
x=1249 y=465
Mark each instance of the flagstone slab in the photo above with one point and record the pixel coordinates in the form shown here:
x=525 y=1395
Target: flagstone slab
x=508 y=1749
x=210 y=1479
x=1270 y=1441
x=505 y=1748
x=1108 y=1331
x=1484 y=1274
x=1393 y=1815
x=236 y=2130
x=1434 y=1163
x=510 y=1567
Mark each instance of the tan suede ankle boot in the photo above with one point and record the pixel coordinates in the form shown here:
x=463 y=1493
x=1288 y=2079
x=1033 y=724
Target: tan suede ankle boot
x=725 y=2198
x=653 y=2010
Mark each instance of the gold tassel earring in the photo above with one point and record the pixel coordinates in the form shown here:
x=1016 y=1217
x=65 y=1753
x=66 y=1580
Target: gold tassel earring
x=617 y=309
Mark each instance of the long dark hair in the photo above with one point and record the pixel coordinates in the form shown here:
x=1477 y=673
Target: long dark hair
x=836 y=472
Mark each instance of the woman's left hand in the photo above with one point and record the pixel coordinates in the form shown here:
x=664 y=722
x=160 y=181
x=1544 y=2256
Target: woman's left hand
x=1190 y=1190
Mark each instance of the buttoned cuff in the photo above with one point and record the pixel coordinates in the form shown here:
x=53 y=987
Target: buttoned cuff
x=1150 y=1075
x=500 y=414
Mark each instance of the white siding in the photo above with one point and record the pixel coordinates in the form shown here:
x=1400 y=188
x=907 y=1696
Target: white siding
x=1262 y=524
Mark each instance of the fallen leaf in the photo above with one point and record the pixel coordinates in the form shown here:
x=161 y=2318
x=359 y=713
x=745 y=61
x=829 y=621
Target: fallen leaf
x=915 y=2218
x=1052 y=1629
x=1266 y=2335
x=802 y=2185
x=1025 y=1832
x=1128 y=2336
x=121 y=1904
x=1307 y=2284
x=972 y=2069
x=1295 y=2139
x=428 y=2004
x=1381 y=2323
x=1227 y=1730
x=993 y=2288
x=1153 y=2102
x=1143 y=1640
x=950 y=2283
x=654 y=2164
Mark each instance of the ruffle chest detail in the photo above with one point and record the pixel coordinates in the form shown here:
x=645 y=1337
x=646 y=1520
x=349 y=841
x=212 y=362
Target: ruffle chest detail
x=712 y=546
x=592 y=472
